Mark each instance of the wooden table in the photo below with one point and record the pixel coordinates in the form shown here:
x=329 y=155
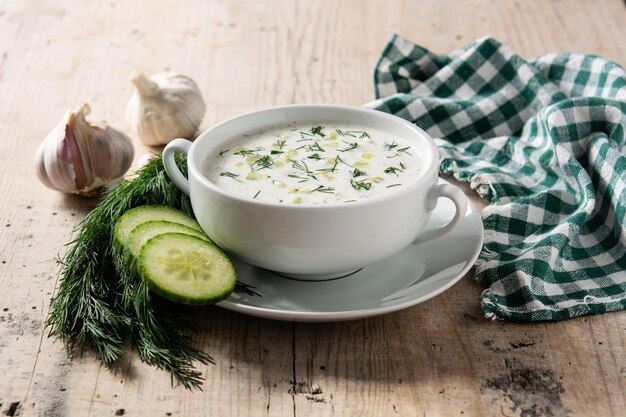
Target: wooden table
x=438 y=358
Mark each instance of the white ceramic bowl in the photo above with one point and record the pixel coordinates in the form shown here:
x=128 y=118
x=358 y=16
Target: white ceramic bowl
x=313 y=242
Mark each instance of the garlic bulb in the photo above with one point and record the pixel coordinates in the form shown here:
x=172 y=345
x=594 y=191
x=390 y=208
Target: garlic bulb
x=79 y=157
x=164 y=107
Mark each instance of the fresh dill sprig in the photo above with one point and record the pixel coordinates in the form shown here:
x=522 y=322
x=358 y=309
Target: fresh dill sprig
x=298 y=177
x=315 y=147
x=245 y=152
x=349 y=147
x=405 y=150
x=317 y=130
x=304 y=136
x=353 y=133
x=323 y=189
x=357 y=173
x=338 y=159
x=360 y=185
x=301 y=165
x=391 y=145
x=101 y=304
x=230 y=175
x=264 y=161
x=394 y=170
x=333 y=168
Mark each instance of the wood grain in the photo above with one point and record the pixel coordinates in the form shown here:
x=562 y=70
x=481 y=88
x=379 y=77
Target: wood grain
x=438 y=358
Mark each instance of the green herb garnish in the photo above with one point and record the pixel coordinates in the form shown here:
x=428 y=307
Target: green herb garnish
x=301 y=165
x=391 y=145
x=298 y=177
x=230 y=175
x=244 y=152
x=257 y=193
x=337 y=159
x=261 y=162
x=393 y=170
x=351 y=146
x=315 y=156
x=357 y=172
x=398 y=151
x=323 y=189
x=315 y=148
x=317 y=130
x=360 y=185
x=305 y=136
x=393 y=185
x=224 y=151
x=353 y=133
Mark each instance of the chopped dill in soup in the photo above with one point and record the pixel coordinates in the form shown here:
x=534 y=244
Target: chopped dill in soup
x=314 y=164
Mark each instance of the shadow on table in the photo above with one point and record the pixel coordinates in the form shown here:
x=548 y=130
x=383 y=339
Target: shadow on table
x=424 y=342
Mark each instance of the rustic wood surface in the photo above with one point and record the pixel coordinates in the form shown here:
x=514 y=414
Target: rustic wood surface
x=438 y=358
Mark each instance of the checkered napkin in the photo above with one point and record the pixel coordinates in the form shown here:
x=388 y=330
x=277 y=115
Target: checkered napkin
x=544 y=141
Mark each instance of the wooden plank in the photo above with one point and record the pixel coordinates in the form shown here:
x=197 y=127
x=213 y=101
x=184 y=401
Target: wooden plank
x=443 y=358
x=438 y=358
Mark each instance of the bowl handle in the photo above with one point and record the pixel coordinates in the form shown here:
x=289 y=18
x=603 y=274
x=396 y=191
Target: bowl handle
x=177 y=145
x=460 y=202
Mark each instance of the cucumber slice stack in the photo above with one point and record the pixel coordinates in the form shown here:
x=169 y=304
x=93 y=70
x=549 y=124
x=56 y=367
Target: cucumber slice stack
x=143 y=232
x=173 y=256
x=138 y=215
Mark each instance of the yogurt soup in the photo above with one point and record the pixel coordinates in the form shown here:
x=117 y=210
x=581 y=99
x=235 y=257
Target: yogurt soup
x=314 y=164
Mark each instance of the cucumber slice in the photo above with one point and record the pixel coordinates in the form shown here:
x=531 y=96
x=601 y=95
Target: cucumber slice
x=135 y=216
x=146 y=231
x=186 y=269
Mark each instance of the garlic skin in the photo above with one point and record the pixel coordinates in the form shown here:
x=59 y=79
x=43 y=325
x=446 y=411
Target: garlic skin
x=164 y=107
x=145 y=159
x=81 y=158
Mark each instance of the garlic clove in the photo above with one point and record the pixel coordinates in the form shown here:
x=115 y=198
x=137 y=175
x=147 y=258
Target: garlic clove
x=108 y=160
x=164 y=107
x=145 y=159
x=45 y=153
x=80 y=157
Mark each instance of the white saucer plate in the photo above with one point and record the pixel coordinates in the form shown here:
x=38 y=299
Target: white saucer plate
x=410 y=277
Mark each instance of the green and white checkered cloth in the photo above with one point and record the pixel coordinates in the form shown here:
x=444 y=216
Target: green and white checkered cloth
x=544 y=141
